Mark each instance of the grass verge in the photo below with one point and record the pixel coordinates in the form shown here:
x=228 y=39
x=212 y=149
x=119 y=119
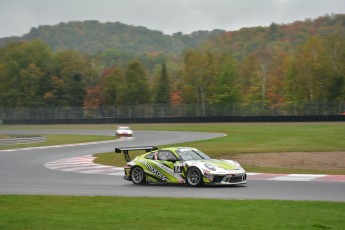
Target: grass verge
x=65 y=212
x=58 y=139
x=263 y=137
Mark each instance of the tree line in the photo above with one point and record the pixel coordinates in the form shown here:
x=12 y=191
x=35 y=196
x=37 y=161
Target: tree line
x=274 y=72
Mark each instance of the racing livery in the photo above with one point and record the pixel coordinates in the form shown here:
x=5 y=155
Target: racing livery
x=180 y=165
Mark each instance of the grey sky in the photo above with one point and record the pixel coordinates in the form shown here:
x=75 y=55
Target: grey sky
x=17 y=17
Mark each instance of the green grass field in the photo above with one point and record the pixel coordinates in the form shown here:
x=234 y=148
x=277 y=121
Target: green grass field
x=65 y=212
x=263 y=137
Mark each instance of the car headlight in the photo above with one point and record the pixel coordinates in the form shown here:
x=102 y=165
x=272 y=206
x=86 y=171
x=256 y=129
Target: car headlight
x=210 y=167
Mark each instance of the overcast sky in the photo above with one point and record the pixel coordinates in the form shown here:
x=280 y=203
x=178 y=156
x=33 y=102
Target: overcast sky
x=17 y=17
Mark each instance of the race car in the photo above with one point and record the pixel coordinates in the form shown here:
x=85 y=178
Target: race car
x=123 y=131
x=180 y=165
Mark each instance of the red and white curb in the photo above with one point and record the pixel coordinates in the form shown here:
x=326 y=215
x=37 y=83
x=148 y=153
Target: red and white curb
x=84 y=164
x=296 y=177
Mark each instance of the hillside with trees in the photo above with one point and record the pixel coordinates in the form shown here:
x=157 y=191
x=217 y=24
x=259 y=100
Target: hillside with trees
x=93 y=37
x=281 y=64
x=209 y=73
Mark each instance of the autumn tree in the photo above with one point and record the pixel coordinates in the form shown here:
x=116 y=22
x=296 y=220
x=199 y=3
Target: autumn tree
x=25 y=69
x=335 y=50
x=113 y=90
x=31 y=85
x=225 y=89
x=92 y=98
x=313 y=70
x=136 y=86
x=252 y=82
x=275 y=92
x=176 y=98
x=198 y=77
x=162 y=87
x=293 y=88
x=72 y=68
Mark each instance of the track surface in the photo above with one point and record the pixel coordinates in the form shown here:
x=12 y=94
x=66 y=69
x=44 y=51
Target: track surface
x=23 y=171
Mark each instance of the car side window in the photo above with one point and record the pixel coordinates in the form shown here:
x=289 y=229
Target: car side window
x=151 y=156
x=165 y=155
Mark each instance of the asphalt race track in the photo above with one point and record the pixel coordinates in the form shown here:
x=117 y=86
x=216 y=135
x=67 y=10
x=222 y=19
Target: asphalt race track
x=22 y=171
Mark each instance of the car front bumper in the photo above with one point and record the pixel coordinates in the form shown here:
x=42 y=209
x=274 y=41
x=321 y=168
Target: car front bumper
x=239 y=178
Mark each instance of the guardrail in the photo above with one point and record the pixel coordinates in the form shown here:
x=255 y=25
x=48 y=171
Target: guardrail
x=321 y=108
x=325 y=118
x=23 y=140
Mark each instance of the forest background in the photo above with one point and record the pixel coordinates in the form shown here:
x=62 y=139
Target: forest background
x=91 y=65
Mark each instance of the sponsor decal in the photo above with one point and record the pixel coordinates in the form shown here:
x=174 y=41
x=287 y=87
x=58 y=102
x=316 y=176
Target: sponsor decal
x=152 y=169
x=164 y=167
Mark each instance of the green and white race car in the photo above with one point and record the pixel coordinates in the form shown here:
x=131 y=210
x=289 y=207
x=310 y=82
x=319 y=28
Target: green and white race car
x=180 y=165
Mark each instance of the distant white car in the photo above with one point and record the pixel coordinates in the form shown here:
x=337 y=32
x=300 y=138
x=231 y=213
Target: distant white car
x=123 y=131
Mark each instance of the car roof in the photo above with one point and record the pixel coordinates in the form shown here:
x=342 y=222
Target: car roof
x=176 y=148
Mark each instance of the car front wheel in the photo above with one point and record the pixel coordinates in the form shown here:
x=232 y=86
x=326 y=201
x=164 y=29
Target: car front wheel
x=194 y=177
x=138 y=175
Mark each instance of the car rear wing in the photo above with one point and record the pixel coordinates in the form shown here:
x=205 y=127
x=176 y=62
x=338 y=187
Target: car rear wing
x=125 y=150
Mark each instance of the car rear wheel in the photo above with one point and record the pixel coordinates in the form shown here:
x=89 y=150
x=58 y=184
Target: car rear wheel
x=194 y=177
x=138 y=175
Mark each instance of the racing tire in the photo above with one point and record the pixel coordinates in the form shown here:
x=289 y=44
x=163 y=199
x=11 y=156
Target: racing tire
x=138 y=175
x=194 y=177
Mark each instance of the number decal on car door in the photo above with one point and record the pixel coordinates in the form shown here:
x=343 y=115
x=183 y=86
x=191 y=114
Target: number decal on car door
x=177 y=169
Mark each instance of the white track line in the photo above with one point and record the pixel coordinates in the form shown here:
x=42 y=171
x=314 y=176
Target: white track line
x=67 y=145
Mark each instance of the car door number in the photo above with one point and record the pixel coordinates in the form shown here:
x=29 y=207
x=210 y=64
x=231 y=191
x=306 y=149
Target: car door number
x=177 y=169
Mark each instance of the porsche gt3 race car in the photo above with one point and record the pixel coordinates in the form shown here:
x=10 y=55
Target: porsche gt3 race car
x=180 y=165
x=123 y=131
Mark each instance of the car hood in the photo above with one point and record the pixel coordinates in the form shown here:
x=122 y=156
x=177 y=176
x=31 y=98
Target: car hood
x=219 y=164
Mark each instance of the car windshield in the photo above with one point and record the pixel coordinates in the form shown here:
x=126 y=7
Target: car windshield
x=188 y=154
